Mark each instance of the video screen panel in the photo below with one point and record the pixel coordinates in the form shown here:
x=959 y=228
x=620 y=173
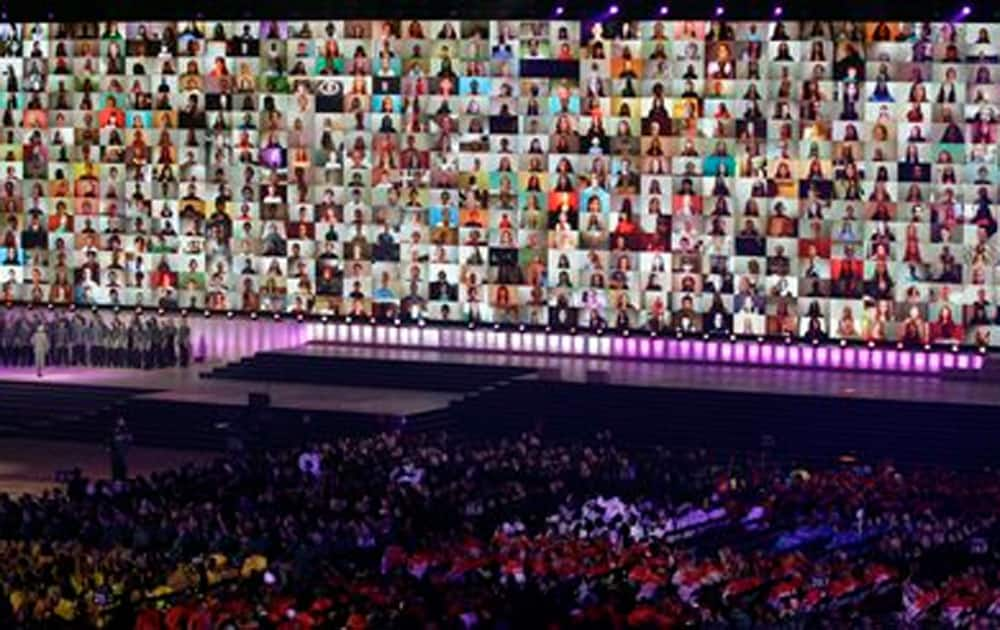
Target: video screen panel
x=824 y=180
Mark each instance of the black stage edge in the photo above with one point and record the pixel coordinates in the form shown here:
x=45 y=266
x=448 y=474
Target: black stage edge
x=963 y=432
x=809 y=415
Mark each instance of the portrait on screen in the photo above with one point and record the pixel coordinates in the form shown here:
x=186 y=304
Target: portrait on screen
x=819 y=180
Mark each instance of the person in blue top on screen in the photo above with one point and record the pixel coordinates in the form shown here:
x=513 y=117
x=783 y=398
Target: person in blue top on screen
x=384 y=293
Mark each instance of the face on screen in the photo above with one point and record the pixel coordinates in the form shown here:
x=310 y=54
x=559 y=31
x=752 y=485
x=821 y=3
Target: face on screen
x=829 y=180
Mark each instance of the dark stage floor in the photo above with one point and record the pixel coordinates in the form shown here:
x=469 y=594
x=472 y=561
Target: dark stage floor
x=704 y=377
x=810 y=413
x=185 y=384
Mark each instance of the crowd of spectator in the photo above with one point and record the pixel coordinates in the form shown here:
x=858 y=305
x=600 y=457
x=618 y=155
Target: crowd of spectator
x=451 y=531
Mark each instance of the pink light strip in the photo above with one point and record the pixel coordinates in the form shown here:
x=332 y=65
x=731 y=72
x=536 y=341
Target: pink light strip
x=243 y=338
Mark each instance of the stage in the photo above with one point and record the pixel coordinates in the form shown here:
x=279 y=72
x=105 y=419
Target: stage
x=187 y=384
x=350 y=389
x=690 y=376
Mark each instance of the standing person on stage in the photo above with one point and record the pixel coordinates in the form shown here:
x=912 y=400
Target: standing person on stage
x=110 y=344
x=98 y=349
x=75 y=327
x=107 y=328
x=154 y=340
x=88 y=337
x=29 y=328
x=32 y=325
x=67 y=324
x=9 y=340
x=143 y=335
x=122 y=343
x=50 y=329
x=169 y=343
x=134 y=335
x=60 y=341
x=6 y=340
x=184 y=342
x=116 y=343
x=121 y=439
x=22 y=342
x=141 y=344
x=40 y=344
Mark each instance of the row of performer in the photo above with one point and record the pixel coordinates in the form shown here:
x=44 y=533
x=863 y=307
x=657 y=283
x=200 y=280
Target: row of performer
x=90 y=339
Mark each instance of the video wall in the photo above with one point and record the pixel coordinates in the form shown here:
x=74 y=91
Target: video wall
x=825 y=180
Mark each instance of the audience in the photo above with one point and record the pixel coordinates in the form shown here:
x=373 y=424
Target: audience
x=450 y=530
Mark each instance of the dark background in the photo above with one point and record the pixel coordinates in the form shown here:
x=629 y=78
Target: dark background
x=84 y=10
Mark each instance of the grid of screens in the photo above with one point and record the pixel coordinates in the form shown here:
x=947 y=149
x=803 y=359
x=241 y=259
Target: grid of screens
x=818 y=179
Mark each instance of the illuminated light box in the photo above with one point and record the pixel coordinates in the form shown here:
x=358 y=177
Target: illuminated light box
x=565 y=344
x=821 y=357
x=794 y=355
x=807 y=356
x=631 y=348
x=617 y=347
x=604 y=345
x=406 y=337
x=658 y=348
x=431 y=337
x=877 y=359
x=644 y=349
x=935 y=362
x=740 y=353
x=767 y=354
x=515 y=341
x=684 y=349
x=836 y=357
x=780 y=355
x=850 y=357
x=865 y=360
x=539 y=342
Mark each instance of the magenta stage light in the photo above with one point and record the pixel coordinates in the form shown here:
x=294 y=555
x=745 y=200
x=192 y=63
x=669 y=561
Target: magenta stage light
x=751 y=352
